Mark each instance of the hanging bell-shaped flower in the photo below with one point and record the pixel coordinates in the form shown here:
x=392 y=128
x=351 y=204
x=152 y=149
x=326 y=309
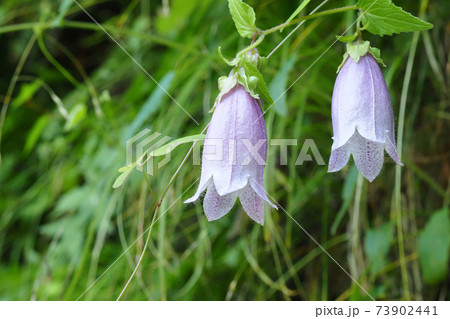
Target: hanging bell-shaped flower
x=234 y=156
x=363 y=122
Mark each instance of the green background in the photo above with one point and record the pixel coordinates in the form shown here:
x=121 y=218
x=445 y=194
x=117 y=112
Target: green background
x=71 y=98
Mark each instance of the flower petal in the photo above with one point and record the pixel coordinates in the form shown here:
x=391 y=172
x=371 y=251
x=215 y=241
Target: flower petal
x=391 y=150
x=339 y=158
x=201 y=187
x=259 y=189
x=368 y=156
x=217 y=206
x=252 y=204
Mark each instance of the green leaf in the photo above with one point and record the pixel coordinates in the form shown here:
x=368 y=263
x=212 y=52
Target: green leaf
x=376 y=246
x=297 y=11
x=163 y=150
x=36 y=132
x=76 y=115
x=243 y=17
x=434 y=246
x=383 y=17
x=261 y=87
x=169 y=147
x=64 y=6
x=122 y=177
x=346 y=38
x=27 y=91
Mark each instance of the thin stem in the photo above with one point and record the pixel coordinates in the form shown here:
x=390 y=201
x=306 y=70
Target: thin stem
x=358 y=27
x=296 y=28
x=142 y=254
x=12 y=85
x=181 y=165
x=42 y=26
x=155 y=213
x=398 y=168
x=308 y=17
x=354 y=231
x=252 y=46
x=149 y=187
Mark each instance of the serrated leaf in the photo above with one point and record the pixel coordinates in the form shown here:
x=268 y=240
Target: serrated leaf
x=244 y=18
x=169 y=147
x=383 y=17
x=434 y=246
x=261 y=88
x=346 y=38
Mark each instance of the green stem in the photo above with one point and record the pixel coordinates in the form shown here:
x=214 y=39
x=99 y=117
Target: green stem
x=55 y=63
x=398 y=168
x=253 y=45
x=94 y=27
x=142 y=254
x=158 y=204
x=149 y=187
x=309 y=17
x=12 y=85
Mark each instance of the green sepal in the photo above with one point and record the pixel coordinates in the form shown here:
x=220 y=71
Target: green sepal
x=377 y=55
x=344 y=58
x=261 y=88
x=359 y=49
x=226 y=83
x=246 y=73
x=230 y=63
x=249 y=82
x=262 y=62
x=347 y=38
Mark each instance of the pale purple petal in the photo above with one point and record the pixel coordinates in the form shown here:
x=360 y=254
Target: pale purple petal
x=361 y=100
x=259 y=189
x=234 y=156
x=363 y=121
x=392 y=151
x=232 y=122
x=201 y=187
x=217 y=206
x=368 y=155
x=252 y=204
x=339 y=158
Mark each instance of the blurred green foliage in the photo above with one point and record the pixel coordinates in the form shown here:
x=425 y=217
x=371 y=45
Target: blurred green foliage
x=73 y=98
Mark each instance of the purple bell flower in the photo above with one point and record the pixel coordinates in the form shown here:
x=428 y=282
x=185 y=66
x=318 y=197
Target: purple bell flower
x=363 y=122
x=233 y=158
